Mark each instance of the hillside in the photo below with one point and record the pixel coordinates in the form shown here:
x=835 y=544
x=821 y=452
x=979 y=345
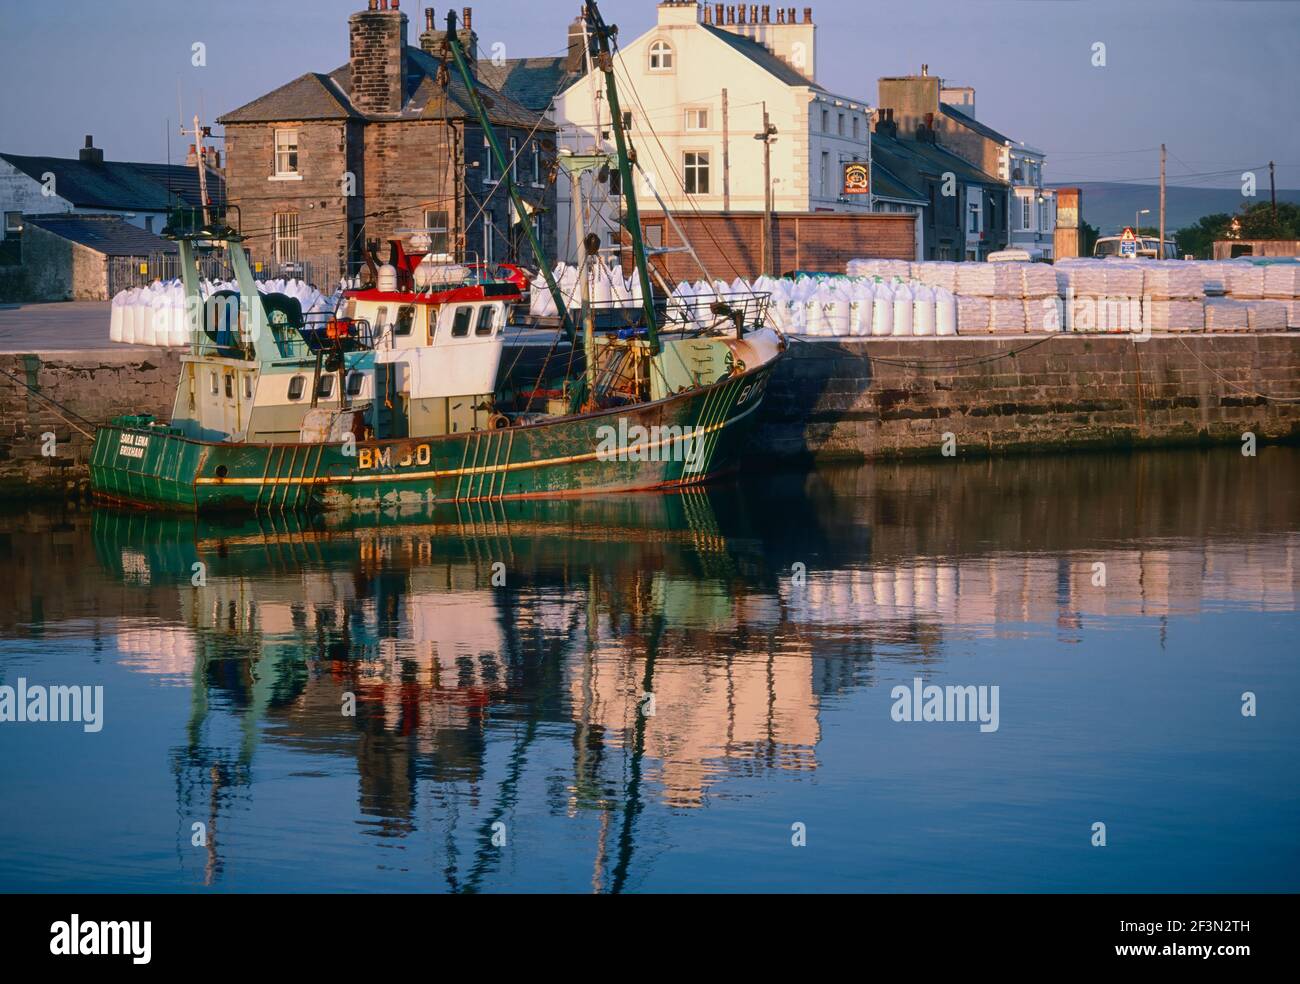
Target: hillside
x=1110 y=206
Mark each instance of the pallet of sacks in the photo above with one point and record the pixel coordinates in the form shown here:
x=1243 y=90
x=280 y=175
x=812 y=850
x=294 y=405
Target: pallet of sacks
x=1102 y=295
x=1044 y=311
x=1282 y=285
x=1175 y=297
x=1224 y=314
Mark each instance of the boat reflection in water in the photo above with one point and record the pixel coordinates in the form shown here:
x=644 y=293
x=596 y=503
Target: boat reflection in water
x=534 y=614
x=589 y=693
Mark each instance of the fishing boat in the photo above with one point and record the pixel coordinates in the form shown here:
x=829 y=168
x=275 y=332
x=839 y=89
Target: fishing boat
x=399 y=396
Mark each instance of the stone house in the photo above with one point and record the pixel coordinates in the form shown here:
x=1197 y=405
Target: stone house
x=381 y=147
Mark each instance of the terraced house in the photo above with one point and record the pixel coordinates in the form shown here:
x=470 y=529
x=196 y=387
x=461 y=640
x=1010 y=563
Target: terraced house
x=384 y=145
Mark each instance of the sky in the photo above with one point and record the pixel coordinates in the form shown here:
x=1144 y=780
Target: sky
x=1215 y=80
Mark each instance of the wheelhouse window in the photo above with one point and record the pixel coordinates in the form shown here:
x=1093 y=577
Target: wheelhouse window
x=405 y=319
x=212 y=382
x=460 y=325
x=661 y=56
x=286 y=237
x=486 y=320
x=286 y=153
x=695 y=168
x=248 y=386
x=230 y=386
x=355 y=382
x=296 y=387
x=325 y=388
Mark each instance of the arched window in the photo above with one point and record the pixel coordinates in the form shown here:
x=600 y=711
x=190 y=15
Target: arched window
x=661 y=57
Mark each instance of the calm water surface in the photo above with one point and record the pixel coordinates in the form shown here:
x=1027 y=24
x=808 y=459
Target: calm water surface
x=503 y=738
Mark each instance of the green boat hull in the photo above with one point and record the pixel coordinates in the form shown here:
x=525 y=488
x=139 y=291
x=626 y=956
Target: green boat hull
x=683 y=440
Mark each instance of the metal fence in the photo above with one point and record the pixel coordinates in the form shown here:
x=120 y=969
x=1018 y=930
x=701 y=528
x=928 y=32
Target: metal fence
x=125 y=272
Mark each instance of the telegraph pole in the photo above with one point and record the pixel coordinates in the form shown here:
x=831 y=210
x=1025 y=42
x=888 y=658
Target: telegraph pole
x=769 y=132
x=1272 y=191
x=1160 y=249
x=726 y=154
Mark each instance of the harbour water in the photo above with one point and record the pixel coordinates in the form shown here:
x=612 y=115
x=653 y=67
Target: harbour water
x=675 y=692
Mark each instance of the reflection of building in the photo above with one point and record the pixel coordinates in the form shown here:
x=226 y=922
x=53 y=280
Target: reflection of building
x=714 y=713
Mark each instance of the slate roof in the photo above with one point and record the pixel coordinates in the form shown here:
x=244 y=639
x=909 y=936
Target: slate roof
x=119 y=184
x=107 y=234
x=906 y=157
x=531 y=82
x=887 y=184
x=328 y=97
x=309 y=97
x=761 y=56
x=973 y=124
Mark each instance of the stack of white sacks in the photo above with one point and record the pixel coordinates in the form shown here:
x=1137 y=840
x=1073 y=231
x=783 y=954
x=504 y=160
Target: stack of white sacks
x=900 y=298
x=1259 y=298
x=606 y=286
x=155 y=315
x=862 y=304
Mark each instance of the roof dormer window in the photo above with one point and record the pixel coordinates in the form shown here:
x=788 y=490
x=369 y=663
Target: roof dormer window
x=661 y=56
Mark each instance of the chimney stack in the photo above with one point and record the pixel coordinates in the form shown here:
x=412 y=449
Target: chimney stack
x=576 y=60
x=90 y=154
x=431 y=38
x=377 y=45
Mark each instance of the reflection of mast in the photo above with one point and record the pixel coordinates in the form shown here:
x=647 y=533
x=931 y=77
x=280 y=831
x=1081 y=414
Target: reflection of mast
x=632 y=804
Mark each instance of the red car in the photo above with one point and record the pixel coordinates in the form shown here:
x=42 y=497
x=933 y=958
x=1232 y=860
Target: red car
x=507 y=272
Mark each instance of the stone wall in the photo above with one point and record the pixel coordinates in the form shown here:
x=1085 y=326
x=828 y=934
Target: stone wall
x=833 y=398
x=98 y=386
x=54 y=269
x=839 y=398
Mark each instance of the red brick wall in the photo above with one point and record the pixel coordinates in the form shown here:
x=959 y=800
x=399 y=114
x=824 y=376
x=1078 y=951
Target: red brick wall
x=731 y=245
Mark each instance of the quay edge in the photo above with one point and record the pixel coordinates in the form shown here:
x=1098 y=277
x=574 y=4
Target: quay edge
x=828 y=399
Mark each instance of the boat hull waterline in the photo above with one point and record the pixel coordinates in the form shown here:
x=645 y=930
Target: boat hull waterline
x=684 y=439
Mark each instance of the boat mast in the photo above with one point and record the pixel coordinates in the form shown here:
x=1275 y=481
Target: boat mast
x=457 y=53
x=605 y=61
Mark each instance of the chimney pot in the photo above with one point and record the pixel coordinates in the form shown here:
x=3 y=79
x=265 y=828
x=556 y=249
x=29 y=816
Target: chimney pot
x=780 y=15
x=719 y=13
x=807 y=15
x=708 y=14
x=467 y=15
x=767 y=14
x=740 y=14
x=90 y=141
x=925 y=70
x=789 y=15
x=374 y=4
x=428 y=18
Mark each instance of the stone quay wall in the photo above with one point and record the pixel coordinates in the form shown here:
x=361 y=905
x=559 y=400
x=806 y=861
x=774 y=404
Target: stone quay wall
x=829 y=398
x=881 y=398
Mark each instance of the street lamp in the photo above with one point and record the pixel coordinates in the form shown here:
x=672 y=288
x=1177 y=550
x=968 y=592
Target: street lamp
x=1137 y=221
